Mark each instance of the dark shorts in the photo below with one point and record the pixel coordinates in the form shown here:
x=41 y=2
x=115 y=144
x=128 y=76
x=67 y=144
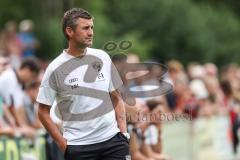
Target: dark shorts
x=116 y=148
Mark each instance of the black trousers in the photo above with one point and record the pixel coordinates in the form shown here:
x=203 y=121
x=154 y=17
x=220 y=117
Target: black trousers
x=116 y=148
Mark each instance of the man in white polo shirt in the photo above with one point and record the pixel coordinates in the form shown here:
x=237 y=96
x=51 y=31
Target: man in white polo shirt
x=83 y=82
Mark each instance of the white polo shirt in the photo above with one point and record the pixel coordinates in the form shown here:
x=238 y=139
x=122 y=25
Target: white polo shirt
x=91 y=130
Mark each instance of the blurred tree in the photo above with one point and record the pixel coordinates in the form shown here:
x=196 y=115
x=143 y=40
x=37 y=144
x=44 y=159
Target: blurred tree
x=188 y=30
x=180 y=29
x=231 y=4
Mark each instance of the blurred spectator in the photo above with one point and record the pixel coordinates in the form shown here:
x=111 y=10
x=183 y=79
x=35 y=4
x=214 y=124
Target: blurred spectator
x=197 y=71
x=4 y=129
x=30 y=104
x=27 y=38
x=11 y=90
x=4 y=64
x=10 y=44
x=232 y=106
x=175 y=71
x=211 y=69
x=145 y=143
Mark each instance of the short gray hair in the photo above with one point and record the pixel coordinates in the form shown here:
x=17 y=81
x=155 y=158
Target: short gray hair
x=71 y=16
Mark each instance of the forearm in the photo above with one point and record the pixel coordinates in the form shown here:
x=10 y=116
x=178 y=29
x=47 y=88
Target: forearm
x=51 y=128
x=20 y=116
x=44 y=117
x=119 y=111
x=6 y=131
x=37 y=123
x=9 y=117
x=121 y=118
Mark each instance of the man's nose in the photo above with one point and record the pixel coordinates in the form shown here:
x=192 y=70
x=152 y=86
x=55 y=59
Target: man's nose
x=90 y=32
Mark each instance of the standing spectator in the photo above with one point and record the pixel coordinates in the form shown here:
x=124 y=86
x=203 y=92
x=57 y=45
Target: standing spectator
x=10 y=44
x=28 y=40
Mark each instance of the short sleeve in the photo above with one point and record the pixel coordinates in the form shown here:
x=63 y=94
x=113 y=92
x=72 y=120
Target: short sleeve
x=46 y=94
x=115 y=79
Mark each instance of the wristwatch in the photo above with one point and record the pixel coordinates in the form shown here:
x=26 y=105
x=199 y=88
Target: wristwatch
x=127 y=135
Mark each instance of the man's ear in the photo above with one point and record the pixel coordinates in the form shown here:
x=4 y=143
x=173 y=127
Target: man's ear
x=69 y=31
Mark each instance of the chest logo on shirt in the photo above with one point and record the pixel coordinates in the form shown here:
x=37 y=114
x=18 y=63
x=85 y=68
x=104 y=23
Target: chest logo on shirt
x=75 y=85
x=100 y=77
x=98 y=66
x=73 y=80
